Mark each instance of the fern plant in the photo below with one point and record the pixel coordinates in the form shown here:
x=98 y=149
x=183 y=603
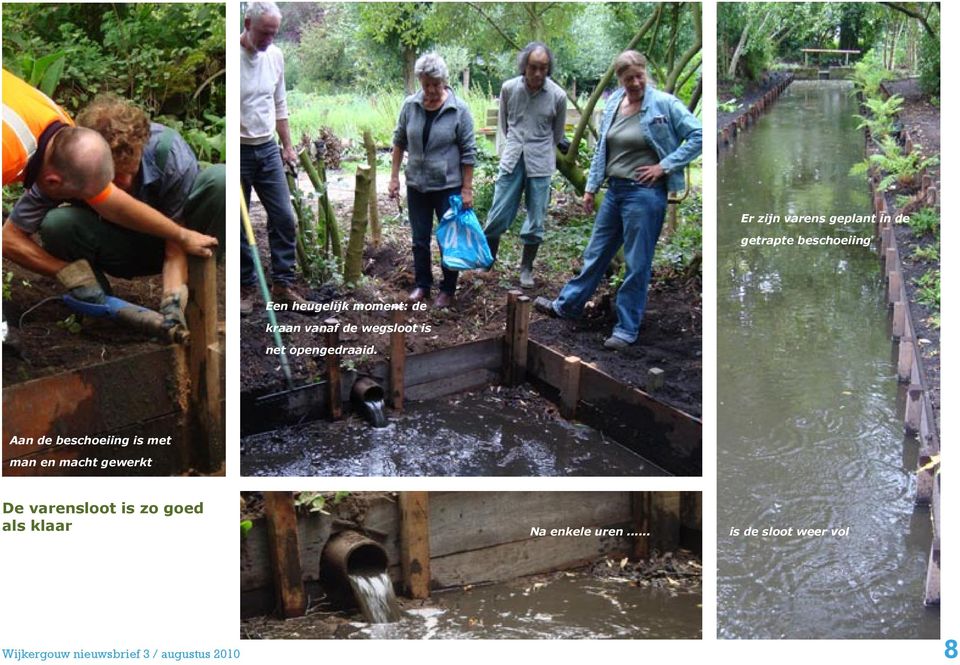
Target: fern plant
x=880 y=121
x=900 y=168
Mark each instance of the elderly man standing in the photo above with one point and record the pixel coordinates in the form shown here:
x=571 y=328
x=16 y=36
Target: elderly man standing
x=533 y=111
x=263 y=111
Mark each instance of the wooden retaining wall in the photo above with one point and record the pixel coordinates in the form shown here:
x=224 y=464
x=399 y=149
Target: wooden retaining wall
x=918 y=412
x=478 y=537
x=728 y=134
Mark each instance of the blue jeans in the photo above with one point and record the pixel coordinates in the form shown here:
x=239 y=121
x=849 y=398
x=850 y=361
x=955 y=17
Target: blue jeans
x=630 y=215
x=262 y=169
x=506 y=203
x=423 y=206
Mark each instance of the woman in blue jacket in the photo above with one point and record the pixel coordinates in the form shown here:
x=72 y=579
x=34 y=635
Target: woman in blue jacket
x=647 y=137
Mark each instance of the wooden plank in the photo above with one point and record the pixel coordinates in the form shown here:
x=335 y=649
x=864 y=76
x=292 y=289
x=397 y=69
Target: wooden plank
x=913 y=409
x=666 y=436
x=255 y=572
x=470 y=380
x=526 y=557
x=905 y=358
x=99 y=399
x=521 y=329
x=415 y=543
x=461 y=521
x=333 y=370
x=284 y=544
x=640 y=508
x=398 y=357
x=448 y=362
x=570 y=387
x=899 y=319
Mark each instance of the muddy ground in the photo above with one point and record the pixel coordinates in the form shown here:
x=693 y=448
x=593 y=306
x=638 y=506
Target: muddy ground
x=922 y=120
x=53 y=342
x=670 y=337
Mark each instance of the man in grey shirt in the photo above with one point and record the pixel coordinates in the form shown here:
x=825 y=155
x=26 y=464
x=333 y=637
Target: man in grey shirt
x=533 y=112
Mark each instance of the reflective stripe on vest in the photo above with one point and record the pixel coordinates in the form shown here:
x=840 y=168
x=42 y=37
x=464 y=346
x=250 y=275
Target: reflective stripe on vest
x=26 y=113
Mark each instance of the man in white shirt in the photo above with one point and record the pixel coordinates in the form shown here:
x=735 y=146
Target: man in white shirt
x=263 y=111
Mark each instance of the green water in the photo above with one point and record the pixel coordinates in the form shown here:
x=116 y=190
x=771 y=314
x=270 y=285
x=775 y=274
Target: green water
x=810 y=432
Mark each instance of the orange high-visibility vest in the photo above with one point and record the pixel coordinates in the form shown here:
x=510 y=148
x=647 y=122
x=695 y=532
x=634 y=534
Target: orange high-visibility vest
x=26 y=113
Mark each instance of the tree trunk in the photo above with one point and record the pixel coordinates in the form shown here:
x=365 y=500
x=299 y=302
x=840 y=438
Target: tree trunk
x=409 y=78
x=372 y=163
x=678 y=68
x=353 y=265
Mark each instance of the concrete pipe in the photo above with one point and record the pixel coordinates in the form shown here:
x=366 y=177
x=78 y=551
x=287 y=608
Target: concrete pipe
x=367 y=396
x=350 y=552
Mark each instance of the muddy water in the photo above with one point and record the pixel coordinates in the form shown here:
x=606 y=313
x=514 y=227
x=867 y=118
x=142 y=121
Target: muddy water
x=809 y=431
x=477 y=434
x=570 y=606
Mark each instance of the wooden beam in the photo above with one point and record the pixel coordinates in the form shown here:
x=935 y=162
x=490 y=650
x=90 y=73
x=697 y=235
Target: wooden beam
x=521 y=331
x=284 y=543
x=641 y=507
x=398 y=359
x=415 y=543
x=333 y=370
x=510 y=339
x=204 y=367
x=665 y=521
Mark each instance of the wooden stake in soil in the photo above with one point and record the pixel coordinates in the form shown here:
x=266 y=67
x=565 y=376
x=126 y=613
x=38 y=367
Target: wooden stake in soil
x=333 y=369
x=204 y=363
x=284 y=543
x=371 y=147
x=398 y=359
x=353 y=265
x=570 y=387
x=415 y=543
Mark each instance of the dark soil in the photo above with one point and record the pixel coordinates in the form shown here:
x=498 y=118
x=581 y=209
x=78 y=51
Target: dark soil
x=47 y=344
x=670 y=337
x=753 y=90
x=922 y=120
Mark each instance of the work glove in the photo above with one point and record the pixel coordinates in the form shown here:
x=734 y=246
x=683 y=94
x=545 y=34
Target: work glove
x=172 y=306
x=79 y=279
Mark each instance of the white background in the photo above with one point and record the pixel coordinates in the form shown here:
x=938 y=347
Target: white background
x=152 y=582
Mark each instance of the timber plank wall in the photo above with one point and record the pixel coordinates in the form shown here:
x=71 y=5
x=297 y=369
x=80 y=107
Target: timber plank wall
x=480 y=536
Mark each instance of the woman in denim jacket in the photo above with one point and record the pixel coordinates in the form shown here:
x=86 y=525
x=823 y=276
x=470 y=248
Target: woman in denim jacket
x=647 y=137
x=435 y=129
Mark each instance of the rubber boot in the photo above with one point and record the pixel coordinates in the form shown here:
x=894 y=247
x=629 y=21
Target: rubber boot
x=494 y=245
x=526 y=266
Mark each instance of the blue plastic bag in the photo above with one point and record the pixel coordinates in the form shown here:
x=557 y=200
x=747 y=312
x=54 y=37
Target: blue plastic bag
x=461 y=239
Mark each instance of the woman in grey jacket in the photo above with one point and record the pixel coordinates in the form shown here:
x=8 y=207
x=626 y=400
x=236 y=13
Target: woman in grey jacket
x=436 y=131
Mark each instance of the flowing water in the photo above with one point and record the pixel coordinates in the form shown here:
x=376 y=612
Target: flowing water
x=810 y=433
x=375 y=414
x=374 y=593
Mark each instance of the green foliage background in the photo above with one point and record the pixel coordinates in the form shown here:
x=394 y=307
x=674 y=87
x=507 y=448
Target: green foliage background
x=169 y=58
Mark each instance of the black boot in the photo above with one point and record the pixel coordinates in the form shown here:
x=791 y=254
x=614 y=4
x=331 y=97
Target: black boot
x=526 y=266
x=494 y=245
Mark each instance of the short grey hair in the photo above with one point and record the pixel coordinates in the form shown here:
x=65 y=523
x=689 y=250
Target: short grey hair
x=257 y=10
x=524 y=57
x=432 y=66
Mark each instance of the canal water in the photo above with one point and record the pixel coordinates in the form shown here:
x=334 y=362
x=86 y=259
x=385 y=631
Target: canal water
x=473 y=434
x=569 y=605
x=810 y=429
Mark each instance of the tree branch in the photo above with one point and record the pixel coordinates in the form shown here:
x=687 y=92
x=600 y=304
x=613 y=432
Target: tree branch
x=901 y=7
x=507 y=38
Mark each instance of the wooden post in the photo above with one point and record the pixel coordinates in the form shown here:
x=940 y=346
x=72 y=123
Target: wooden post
x=665 y=521
x=932 y=586
x=899 y=319
x=204 y=364
x=371 y=147
x=905 y=358
x=913 y=407
x=520 y=330
x=415 y=543
x=570 y=387
x=333 y=370
x=890 y=258
x=640 y=505
x=283 y=540
x=353 y=263
x=398 y=359
x=510 y=337
x=893 y=285
x=654 y=379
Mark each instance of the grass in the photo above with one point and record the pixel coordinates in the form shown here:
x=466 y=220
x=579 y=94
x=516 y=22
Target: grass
x=348 y=115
